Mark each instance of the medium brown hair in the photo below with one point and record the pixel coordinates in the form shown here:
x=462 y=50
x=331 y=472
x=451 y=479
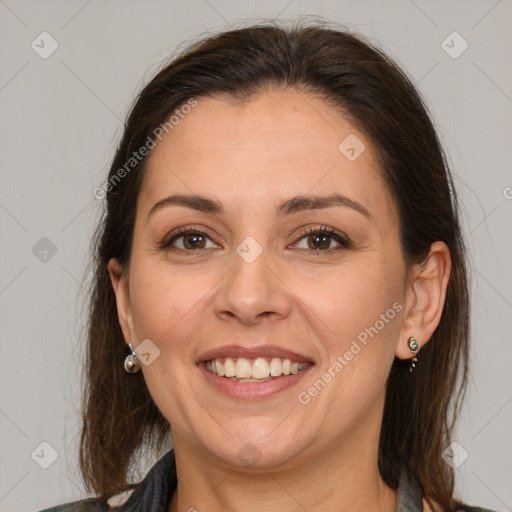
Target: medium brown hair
x=366 y=87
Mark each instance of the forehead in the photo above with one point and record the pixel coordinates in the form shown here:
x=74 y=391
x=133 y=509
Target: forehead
x=279 y=143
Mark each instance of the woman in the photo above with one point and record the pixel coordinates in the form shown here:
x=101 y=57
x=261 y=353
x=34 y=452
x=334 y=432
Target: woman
x=280 y=282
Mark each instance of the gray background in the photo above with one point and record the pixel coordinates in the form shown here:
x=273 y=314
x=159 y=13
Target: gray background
x=60 y=118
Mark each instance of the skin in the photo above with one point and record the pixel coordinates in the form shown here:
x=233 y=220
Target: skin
x=316 y=456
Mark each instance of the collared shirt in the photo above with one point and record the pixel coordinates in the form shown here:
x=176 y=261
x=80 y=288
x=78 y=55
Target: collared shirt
x=154 y=492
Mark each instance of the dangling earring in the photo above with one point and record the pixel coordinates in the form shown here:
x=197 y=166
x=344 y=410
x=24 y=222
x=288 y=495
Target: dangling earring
x=414 y=347
x=131 y=363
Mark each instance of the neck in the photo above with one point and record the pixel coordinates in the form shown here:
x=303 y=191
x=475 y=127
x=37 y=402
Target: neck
x=342 y=479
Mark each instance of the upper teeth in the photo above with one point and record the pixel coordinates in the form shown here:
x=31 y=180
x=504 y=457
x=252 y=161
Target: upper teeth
x=261 y=368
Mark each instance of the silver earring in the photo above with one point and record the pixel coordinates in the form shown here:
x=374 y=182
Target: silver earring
x=131 y=363
x=414 y=347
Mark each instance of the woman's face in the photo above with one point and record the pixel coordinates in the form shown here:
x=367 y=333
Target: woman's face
x=273 y=282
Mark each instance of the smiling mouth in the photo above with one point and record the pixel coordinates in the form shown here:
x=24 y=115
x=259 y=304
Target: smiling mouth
x=260 y=369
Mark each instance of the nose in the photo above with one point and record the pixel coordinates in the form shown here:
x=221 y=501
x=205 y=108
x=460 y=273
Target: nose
x=253 y=291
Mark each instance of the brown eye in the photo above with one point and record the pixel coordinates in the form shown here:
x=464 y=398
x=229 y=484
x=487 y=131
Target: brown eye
x=320 y=240
x=194 y=241
x=187 y=240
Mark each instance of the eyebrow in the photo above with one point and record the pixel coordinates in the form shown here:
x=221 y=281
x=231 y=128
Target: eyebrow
x=292 y=205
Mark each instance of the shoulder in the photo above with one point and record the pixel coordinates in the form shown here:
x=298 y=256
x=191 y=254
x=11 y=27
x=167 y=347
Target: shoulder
x=151 y=494
x=86 y=505
x=461 y=508
x=468 y=508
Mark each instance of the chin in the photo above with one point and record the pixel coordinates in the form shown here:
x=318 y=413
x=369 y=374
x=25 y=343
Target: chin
x=256 y=445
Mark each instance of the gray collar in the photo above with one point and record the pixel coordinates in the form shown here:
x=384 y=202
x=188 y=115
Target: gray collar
x=409 y=497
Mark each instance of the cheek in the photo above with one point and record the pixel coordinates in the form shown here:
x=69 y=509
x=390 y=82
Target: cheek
x=355 y=305
x=166 y=304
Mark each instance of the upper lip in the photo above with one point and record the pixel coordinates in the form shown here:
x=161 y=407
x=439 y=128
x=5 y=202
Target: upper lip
x=252 y=352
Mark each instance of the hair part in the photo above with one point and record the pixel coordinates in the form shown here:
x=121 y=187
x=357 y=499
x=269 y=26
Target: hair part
x=367 y=88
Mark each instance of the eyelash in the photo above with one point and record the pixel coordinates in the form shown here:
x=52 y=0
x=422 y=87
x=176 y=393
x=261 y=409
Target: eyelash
x=323 y=230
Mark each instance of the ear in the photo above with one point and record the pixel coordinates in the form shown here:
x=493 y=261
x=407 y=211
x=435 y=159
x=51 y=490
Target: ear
x=424 y=298
x=119 y=279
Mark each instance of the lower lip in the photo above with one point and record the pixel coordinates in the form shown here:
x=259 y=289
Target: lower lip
x=253 y=390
